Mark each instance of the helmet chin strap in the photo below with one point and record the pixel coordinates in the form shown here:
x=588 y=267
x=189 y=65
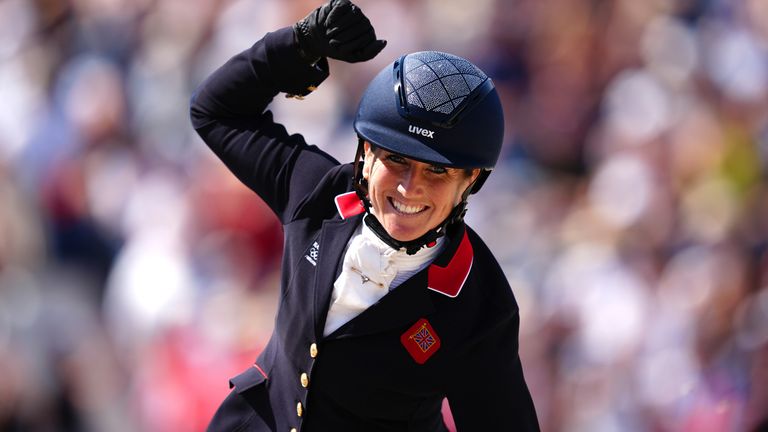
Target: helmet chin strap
x=411 y=246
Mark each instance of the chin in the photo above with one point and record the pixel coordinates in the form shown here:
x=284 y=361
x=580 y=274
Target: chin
x=403 y=235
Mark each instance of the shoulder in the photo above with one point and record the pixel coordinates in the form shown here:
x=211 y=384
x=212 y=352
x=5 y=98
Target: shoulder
x=320 y=202
x=484 y=303
x=487 y=278
x=483 y=318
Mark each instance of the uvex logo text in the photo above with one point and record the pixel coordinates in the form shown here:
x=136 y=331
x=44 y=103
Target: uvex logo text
x=421 y=131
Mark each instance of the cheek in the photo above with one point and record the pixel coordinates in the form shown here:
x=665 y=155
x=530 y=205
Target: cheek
x=451 y=194
x=374 y=183
x=378 y=176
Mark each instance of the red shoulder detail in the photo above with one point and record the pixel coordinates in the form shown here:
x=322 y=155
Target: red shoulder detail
x=349 y=204
x=450 y=279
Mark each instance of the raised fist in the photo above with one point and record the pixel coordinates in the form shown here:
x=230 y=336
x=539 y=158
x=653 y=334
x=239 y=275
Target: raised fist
x=338 y=30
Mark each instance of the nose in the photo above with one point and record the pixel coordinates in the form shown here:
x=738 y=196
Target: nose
x=411 y=183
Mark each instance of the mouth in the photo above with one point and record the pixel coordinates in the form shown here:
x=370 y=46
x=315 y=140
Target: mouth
x=405 y=209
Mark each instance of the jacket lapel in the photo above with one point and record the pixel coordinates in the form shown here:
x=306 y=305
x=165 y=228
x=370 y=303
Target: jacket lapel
x=405 y=304
x=334 y=236
x=399 y=308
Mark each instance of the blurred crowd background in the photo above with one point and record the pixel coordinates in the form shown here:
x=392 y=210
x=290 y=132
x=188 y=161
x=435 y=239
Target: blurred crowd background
x=629 y=209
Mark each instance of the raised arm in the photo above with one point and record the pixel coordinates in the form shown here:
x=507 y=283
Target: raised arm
x=229 y=109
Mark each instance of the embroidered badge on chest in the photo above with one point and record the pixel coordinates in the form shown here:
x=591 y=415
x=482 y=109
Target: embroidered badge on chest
x=314 y=253
x=420 y=341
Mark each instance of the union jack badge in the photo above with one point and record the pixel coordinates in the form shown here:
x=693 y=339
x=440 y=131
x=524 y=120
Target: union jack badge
x=420 y=341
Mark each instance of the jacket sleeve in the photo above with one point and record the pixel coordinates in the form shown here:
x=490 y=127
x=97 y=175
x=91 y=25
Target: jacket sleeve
x=489 y=390
x=229 y=112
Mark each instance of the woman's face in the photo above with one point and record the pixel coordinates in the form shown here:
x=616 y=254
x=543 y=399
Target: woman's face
x=408 y=197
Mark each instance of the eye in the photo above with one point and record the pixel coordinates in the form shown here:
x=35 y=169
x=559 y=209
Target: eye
x=395 y=158
x=437 y=169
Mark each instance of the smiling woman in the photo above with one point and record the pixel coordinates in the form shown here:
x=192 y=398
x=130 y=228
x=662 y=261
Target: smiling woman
x=410 y=198
x=386 y=293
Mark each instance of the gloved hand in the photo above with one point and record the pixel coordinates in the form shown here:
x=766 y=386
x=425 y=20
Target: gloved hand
x=339 y=30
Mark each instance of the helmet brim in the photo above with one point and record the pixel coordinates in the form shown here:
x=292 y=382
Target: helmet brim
x=402 y=144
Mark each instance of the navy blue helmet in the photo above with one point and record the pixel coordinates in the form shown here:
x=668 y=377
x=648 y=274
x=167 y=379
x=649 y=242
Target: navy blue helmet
x=437 y=108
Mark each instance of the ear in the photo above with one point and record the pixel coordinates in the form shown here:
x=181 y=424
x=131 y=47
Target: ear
x=475 y=175
x=472 y=177
x=469 y=181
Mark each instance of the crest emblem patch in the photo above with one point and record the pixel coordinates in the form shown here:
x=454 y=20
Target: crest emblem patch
x=420 y=341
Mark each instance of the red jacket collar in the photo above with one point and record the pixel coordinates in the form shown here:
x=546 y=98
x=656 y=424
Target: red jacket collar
x=449 y=278
x=349 y=204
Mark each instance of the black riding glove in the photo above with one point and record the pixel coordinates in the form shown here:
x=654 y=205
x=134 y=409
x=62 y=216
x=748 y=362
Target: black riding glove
x=339 y=30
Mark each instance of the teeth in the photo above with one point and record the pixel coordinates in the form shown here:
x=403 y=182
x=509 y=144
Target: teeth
x=407 y=209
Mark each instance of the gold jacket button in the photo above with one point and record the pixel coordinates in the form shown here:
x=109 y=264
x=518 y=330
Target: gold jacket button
x=299 y=409
x=313 y=350
x=304 y=378
x=293 y=429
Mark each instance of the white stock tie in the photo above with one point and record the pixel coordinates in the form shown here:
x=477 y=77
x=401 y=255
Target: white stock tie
x=365 y=277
